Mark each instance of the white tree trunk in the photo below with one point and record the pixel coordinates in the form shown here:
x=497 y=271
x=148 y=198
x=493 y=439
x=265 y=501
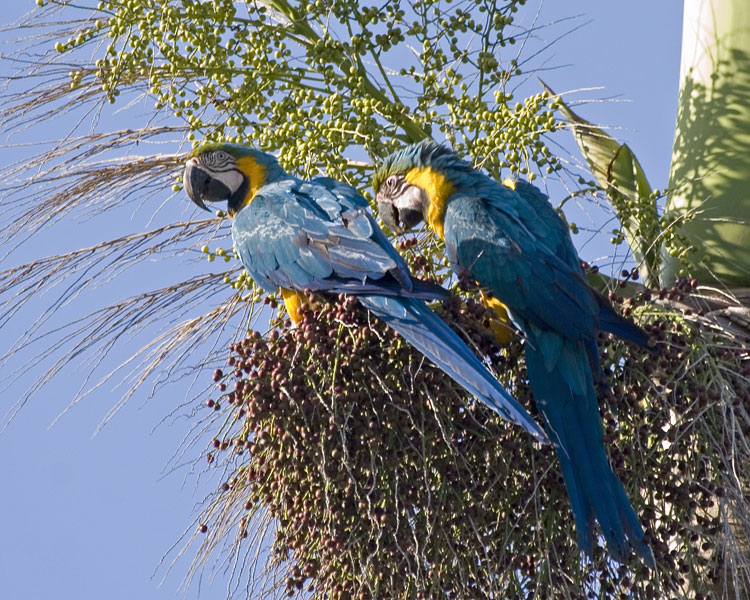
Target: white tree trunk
x=710 y=174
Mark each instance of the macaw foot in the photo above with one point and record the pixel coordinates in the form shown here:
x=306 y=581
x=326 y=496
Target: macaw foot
x=500 y=324
x=297 y=302
x=293 y=301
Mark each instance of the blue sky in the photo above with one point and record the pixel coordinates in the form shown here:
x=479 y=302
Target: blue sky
x=91 y=516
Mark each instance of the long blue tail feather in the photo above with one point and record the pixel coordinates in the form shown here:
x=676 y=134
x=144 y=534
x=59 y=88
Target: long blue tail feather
x=427 y=332
x=574 y=425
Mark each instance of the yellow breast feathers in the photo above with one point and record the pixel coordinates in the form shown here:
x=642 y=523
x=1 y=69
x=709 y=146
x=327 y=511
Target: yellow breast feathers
x=438 y=190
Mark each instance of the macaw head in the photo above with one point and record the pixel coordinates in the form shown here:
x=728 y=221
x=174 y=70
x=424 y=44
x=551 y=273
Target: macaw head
x=414 y=184
x=219 y=172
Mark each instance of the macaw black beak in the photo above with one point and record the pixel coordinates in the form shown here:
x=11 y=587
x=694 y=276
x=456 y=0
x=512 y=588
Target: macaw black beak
x=402 y=214
x=201 y=187
x=389 y=214
x=409 y=218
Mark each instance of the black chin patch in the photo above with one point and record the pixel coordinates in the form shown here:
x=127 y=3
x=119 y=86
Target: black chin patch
x=409 y=217
x=237 y=200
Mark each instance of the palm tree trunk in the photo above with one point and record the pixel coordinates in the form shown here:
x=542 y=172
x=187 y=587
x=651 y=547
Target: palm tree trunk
x=710 y=174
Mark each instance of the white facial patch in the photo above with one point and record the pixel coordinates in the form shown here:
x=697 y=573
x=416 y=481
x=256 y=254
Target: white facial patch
x=412 y=198
x=233 y=179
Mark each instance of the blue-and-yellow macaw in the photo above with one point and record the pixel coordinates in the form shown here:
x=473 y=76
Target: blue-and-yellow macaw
x=318 y=236
x=513 y=243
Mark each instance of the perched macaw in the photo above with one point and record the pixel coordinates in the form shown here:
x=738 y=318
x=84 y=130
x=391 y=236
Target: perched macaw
x=514 y=245
x=317 y=235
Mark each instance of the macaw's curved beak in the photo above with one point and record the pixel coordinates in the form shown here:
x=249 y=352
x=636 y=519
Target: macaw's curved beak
x=389 y=214
x=403 y=213
x=201 y=187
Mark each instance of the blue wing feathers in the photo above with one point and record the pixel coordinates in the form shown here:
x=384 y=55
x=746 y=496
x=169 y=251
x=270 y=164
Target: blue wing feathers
x=358 y=222
x=346 y=195
x=534 y=284
x=285 y=238
x=611 y=322
x=517 y=246
x=547 y=223
x=385 y=287
x=313 y=263
x=427 y=332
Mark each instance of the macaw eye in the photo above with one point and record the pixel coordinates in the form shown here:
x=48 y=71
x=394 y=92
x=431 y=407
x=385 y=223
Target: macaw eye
x=390 y=183
x=221 y=156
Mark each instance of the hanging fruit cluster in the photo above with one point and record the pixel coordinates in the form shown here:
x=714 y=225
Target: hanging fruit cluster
x=386 y=481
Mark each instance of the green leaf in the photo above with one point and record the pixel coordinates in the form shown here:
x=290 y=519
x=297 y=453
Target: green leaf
x=618 y=171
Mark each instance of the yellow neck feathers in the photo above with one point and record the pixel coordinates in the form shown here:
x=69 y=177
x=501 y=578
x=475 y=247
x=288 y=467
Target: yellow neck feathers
x=438 y=190
x=256 y=176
